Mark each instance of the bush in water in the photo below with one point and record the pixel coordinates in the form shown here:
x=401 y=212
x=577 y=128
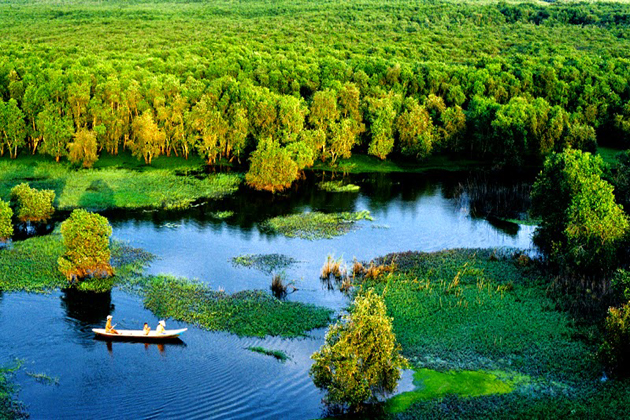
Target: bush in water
x=6 y=228
x=86 y=238
x=33 y=205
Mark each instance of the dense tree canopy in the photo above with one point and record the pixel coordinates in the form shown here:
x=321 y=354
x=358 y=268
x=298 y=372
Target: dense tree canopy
x=504 y=82
x=582 y=226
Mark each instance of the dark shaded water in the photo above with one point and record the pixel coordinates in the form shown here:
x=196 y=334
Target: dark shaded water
x=213 y=375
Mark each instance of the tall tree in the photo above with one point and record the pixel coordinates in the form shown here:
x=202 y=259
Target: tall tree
x=147 y=137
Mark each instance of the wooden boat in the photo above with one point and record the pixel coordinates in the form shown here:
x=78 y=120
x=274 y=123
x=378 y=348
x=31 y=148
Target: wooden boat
x=139 y=334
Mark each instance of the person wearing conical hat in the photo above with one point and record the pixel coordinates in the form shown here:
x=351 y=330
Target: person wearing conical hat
x=161 y=328
x=108 y=326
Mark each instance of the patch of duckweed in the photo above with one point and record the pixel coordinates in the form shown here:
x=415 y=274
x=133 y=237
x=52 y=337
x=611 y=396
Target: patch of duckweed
x=338 y=186
x=279 y=355
x=431 y=384
x=316 y=225
x=245 y=313
x=267 y=263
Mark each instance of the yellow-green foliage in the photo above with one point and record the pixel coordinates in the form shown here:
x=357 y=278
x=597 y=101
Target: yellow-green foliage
x=272 y=168
x=432 y=384
x=86 y=238
x=360 y=359
x=615 y=351
x=6 y=227
x=83 y=149
x=33 y=205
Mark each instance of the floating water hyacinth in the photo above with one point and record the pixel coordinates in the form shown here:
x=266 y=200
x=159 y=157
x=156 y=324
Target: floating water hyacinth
x=316 y=225
x=267 y=263
x=222 y=214
x=338 y=186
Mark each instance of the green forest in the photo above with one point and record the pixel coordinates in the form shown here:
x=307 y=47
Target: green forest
x=285 y=84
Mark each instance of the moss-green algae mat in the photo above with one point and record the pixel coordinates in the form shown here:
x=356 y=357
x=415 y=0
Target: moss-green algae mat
x=433 y=384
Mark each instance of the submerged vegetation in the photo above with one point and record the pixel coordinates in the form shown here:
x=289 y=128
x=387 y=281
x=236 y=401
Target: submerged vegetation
x=247 y=313
x=316 y=225
x=338 y=186
x=9 y=408
x=280 y=355
x=267 y=263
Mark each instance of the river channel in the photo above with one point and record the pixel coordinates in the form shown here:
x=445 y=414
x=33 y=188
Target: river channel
x=210 y=374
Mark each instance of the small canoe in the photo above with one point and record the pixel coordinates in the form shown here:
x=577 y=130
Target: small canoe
x=139 y=334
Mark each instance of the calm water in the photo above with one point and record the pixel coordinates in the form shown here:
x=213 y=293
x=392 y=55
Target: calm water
x=213 y=375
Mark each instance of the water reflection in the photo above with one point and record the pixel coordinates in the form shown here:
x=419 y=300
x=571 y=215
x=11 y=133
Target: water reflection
x=149 y=346
x=86 y=309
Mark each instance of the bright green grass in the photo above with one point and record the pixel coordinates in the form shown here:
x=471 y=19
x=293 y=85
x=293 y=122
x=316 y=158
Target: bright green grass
x=246 y=313
x=316 y=225
x=608 y=154
x=279 y=355
x=115 y=185
x=431 y=384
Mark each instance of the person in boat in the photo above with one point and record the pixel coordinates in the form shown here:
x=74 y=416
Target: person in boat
x=108 y=326
x=161 y=328
x=146 y=329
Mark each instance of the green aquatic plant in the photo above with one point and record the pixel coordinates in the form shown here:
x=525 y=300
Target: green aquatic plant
x=44 y=378
x=245 y=313
x=267 y=263
x=316 y=225
x=279 y=355
x=222 y=214
x=10 y=408
x=338 y=186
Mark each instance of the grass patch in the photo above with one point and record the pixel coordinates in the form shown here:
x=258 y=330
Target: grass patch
x=432 y=384
x=267 y=263
x=31 y=266
x=280 y=355
x=316 y=225
x=115 y=187
x=246 y=313
x=609 y=154
x=338 y=186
